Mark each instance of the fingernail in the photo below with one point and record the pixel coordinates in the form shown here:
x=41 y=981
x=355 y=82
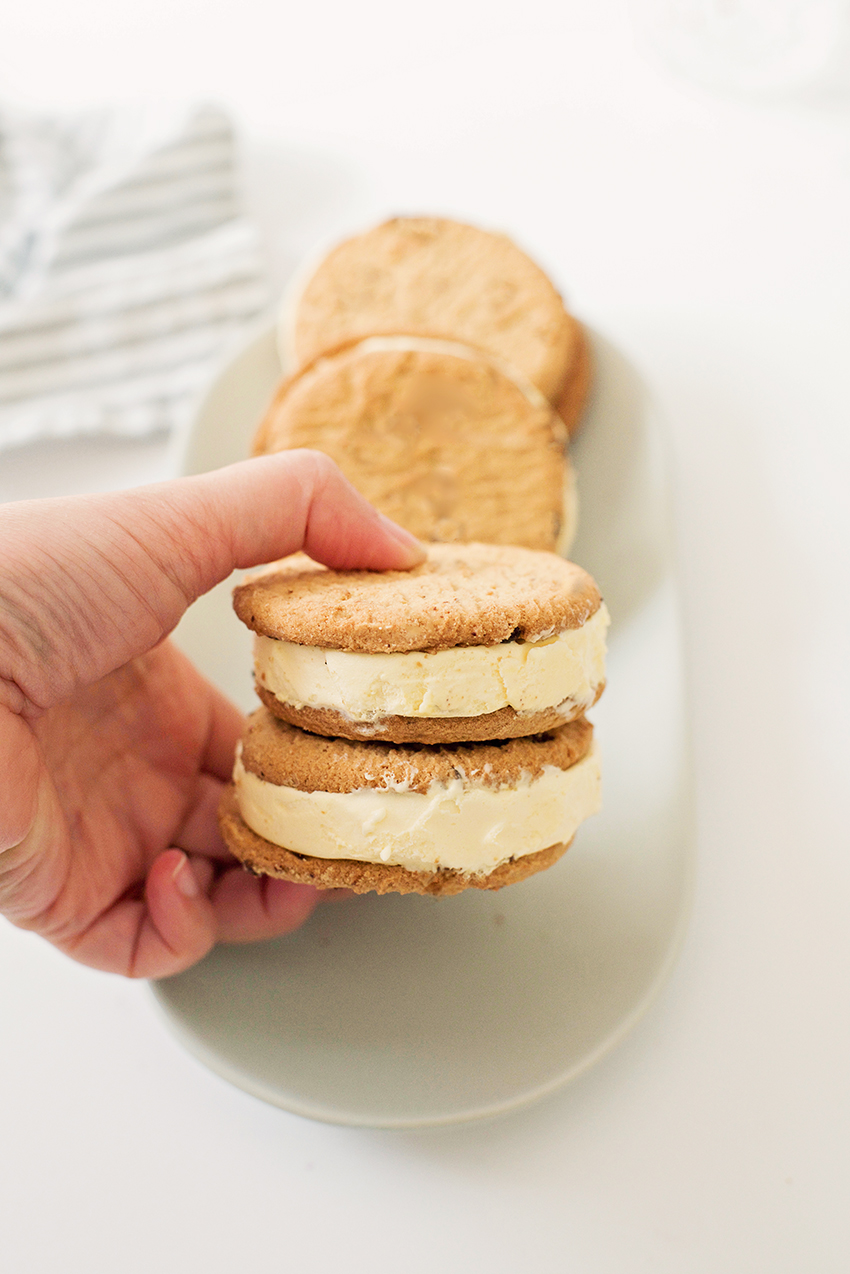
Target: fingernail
x=184 y=878
x=402 y=537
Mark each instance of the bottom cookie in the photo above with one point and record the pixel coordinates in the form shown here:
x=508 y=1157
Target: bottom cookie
x=264 y=858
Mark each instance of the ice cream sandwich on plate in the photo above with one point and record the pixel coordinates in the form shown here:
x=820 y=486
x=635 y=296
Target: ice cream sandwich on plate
x=423 y=730
x=480 y=642
x=403 y=818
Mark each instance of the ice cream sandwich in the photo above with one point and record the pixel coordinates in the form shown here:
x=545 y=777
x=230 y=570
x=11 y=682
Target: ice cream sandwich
x=444 y=441
x=480 y=642
x=426 y=276
x=402 y=818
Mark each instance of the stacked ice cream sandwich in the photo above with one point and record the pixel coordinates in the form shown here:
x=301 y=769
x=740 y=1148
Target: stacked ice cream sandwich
x=424 y=731
x=421 y=731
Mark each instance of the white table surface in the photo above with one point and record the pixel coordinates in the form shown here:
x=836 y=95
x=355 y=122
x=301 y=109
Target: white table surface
x=710 y=237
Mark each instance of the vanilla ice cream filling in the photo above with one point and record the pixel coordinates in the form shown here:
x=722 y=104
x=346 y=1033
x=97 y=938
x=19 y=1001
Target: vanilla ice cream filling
x=564 y=670
x=469 y=828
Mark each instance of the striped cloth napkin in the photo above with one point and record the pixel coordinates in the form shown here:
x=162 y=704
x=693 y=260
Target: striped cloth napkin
x=126 y=269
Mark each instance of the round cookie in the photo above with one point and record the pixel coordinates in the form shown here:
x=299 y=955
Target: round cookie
x=437 y=437
x=376 y=816
x=478 y=642
x=428 y=276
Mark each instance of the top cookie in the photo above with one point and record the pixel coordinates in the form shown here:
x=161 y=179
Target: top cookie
x=462 y=595
x=424 y=276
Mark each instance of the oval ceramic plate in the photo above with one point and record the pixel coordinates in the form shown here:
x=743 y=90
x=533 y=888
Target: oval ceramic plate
x=408 y=1011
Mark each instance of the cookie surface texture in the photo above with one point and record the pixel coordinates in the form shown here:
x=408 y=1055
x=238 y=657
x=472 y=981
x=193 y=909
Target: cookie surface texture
x=436 y=437
x=426 y=276
x=462 y=595
x=288 y=757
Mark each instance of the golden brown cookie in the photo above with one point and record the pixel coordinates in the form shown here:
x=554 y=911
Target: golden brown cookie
x=461 y=595
x=289 y=757
x=478 y=642
x=406 y=818
x=437 y=437
x=427 y=276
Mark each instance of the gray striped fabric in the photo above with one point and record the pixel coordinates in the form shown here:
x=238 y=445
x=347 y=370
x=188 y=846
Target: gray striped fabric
x=126 y=270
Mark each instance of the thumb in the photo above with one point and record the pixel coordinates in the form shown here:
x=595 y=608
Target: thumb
x=90 y=582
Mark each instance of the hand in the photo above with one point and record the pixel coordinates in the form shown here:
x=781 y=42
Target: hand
x=113 y=749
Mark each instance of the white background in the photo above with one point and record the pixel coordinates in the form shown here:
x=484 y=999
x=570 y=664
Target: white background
x=709 y=234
